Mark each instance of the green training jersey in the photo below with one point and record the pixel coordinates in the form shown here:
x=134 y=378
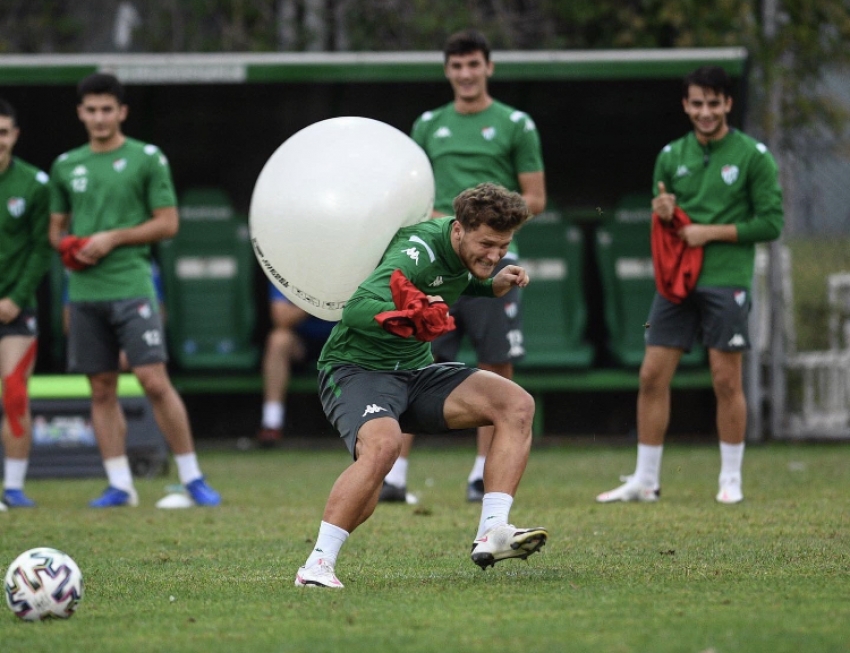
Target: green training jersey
x=467 y=149
x=730 y=181
x=112 y=190
x=25 y=250
x=424 y=253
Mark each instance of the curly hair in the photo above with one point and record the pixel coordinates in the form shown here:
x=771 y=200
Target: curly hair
x=492 y=205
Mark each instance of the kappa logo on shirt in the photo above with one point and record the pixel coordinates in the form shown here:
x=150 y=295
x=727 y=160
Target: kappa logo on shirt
x=372 y=409
x=682 y=171
x=436 y=283
x=413 y=253
x=443 y=132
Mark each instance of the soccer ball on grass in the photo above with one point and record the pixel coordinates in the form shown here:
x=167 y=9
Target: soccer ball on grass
x=43 y=583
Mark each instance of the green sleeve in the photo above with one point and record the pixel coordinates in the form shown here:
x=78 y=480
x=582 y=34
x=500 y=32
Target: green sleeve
x=660 y=174
x=161 y=192
x=38 y=260
x=766 y=197
x=528 y=154
x=59 y=201
x=478 y=288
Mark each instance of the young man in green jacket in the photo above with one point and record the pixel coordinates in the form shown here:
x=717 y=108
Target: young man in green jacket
x=727 y=183
x=24 y=258
x=377 y=375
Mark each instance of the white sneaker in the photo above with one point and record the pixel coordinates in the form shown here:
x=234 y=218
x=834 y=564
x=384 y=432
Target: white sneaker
x=506 y=541
x=320 y=574
x=3 y=507
x=631 y=490
x=730 y=490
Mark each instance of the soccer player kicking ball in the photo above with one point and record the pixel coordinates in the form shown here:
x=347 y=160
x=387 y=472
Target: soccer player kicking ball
x=377 y=375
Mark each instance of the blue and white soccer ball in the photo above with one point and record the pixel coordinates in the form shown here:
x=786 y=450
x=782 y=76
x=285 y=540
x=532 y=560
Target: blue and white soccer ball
x=43 y=583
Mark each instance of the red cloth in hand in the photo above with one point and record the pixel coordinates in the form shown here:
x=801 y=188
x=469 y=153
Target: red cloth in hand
x=68 y=248
x=677 y=265
x=416 y=315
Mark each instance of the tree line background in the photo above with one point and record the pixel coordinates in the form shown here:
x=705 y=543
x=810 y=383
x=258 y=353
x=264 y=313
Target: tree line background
x=798 y=84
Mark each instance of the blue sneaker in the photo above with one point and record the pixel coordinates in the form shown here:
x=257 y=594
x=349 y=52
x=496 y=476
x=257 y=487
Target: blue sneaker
x=112 y=497
x=17 y=499
x=202 y=494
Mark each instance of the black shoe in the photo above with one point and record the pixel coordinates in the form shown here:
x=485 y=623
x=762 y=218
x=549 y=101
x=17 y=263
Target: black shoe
x=475 y=491
x=392 y=494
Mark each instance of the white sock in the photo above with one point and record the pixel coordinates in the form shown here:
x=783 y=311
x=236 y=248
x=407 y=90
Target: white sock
x=495 y=508
x=14 y=473
x=398 y=474
x=477 y=469
x=187 y=467
x=273 y=415
x=648 y=469
x=330 y=541
x=731 y=458
x=118 y=472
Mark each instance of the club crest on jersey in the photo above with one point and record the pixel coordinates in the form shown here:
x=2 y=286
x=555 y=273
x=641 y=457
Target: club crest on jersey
x=489 y=133
x=729 y=174
x=119 y=164
x=16 y=206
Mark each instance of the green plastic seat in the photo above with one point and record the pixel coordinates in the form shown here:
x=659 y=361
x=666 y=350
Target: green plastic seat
x=624 y=257
x=208 y=278
x=553 y=304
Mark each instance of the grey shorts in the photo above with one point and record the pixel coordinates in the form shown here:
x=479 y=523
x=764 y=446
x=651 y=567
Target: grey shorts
x=493 y=326
x=352 y=396
x=98 y=331
x=717 y=316
x=25 y=324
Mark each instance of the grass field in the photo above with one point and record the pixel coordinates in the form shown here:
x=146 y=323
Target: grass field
x=685 y=574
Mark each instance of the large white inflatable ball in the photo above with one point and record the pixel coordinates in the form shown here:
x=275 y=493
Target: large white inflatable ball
x=327 y=204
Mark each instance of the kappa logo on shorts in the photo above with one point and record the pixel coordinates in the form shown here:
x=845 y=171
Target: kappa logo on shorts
x=372 y=409
x=737 y=341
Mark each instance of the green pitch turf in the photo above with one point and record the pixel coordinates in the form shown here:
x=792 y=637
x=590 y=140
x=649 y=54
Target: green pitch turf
x=686 y=574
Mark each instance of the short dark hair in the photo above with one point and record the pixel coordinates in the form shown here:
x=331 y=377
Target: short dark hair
x=713 y=77
x=466 y=42
x=6 y=109
x=491 y=205
x=100 y=84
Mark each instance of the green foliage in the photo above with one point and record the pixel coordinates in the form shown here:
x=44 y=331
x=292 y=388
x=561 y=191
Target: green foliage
x=686 y=574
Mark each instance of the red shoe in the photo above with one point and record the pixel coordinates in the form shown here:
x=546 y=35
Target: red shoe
x=269 y=437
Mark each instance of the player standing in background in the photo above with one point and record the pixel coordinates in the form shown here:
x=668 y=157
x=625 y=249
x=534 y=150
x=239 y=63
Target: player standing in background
x=24 y=258
x=110 y=199
x=471 y=140
x=728 y=185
